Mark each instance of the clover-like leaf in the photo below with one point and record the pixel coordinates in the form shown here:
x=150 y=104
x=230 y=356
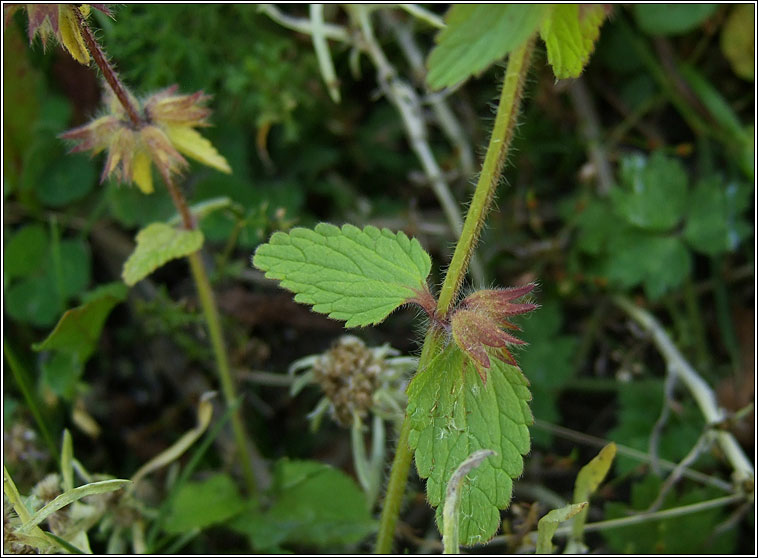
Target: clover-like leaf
x=654 y=193
x=570 y=32
x=157 y=244
x=453 y=414
x=352 y=274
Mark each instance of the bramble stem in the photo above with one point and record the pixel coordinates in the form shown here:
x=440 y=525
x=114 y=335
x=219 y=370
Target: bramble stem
x=510 y=99
x=109 y=73
x=497 y=150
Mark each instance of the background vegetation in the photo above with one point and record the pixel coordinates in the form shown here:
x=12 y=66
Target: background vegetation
x=635 y=180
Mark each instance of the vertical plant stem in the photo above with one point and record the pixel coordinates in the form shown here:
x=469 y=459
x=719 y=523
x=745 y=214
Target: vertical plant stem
x=497 y=150
x=108 y=71
x=505 y=121
x=401 y=464
x=210 y=311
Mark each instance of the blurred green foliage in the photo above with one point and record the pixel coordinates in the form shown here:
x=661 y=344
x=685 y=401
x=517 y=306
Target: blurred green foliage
x=644 y=234
x=676 y=116
x=688 y=534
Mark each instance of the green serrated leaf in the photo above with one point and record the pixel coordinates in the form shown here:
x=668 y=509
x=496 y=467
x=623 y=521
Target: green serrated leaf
x=478 y=35
x=452 y=415
x=570 y=32
x=356 y=275
x=654 y=192
x=549 y=524
x=671 y=19
x=200 y=504
x=450 y=512
x=157 y=244
x=79 y=329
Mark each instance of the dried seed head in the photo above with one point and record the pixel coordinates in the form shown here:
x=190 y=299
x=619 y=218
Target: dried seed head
x=349 y=374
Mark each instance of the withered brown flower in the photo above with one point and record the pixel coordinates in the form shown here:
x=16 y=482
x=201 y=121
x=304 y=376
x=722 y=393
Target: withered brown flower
x=165 y=132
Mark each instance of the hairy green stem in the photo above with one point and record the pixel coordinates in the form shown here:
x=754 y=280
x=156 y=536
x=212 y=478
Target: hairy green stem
x=401 y=464
x=505 y=121
x=210 y=311
x=109 y=73
x=497 y=151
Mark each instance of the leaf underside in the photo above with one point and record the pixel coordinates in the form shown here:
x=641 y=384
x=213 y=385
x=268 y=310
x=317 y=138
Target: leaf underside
x=351 y=274
x=452 y=414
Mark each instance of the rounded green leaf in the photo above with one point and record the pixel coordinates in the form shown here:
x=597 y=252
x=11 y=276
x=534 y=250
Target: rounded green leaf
x=157 y=244
x=654 y=193
x=26 y=251
x=76 y=266
x=66 y=179
x=352 y=274
x=33 y=300
x=200 y=504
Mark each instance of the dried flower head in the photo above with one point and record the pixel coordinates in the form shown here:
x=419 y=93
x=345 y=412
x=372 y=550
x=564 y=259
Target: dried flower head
x=58 y=21
x=478 y=321
x=166 y=130
x=348 y=374
x=356 y=380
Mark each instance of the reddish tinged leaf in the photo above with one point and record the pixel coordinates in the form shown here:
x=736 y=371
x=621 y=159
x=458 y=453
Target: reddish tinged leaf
x=497 y=302
x=474 y=332
x=478 y=320
x=424 y=298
